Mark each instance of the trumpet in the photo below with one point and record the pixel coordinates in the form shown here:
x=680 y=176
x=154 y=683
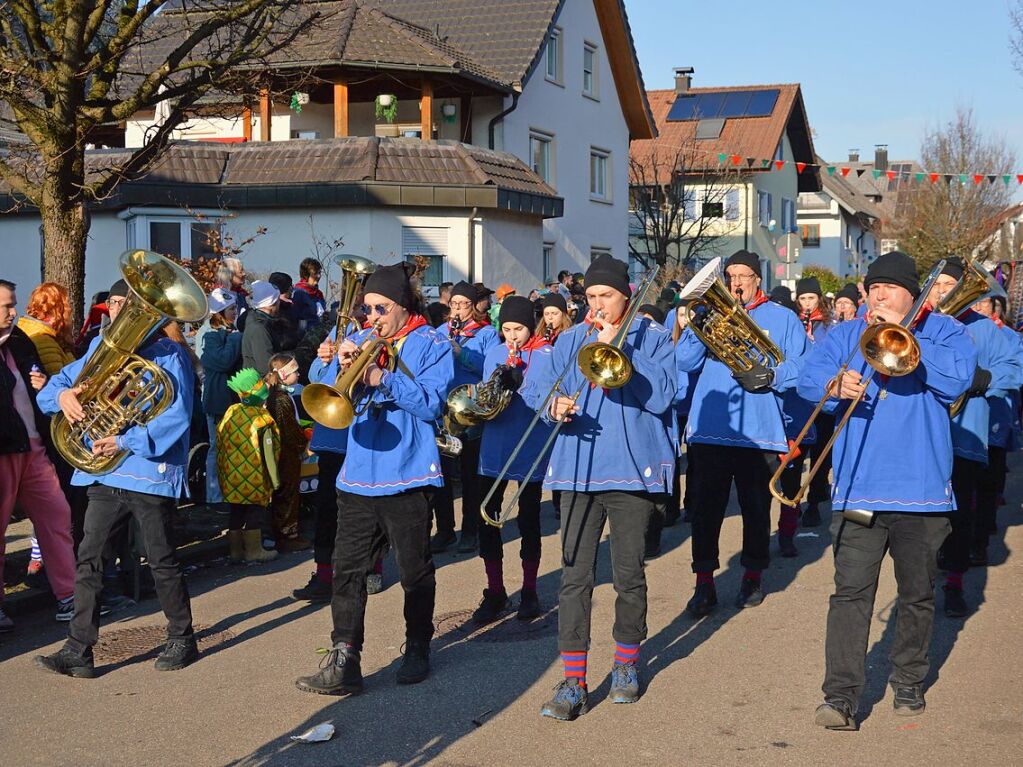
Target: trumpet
x=890 y=349
x=601 y=364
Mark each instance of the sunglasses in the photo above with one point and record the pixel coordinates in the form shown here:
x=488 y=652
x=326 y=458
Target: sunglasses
x=380 y=309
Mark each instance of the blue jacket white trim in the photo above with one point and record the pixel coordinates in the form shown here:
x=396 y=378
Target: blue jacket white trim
x=1004 y=425
x=895 y=454
x=621 y=438
x=158 y=451
x=324 y=439
x=722 y=412
x=468 y=366
x=392 y=447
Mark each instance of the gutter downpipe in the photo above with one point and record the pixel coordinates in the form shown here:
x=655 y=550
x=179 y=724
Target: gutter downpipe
x=493 y=122
x=472 y=244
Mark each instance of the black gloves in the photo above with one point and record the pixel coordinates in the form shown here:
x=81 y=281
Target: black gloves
x=511 y=377
x=981 y=382
x=756 y=380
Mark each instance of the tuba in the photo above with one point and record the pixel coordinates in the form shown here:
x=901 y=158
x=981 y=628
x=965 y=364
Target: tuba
x=120 y=389
x=723 y=325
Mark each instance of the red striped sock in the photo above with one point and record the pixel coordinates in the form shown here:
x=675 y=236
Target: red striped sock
x=788 y=521
x=751 y=575
x=529 y=571
x=626 y=653
x=495 y=575
x=575 y=666
x=325 y=573
x=705 y=577
x=954 y=580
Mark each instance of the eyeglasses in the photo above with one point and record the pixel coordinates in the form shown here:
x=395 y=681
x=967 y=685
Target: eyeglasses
x=380 y=309
x=115 y=303
x=742 y=277
x=459 y=304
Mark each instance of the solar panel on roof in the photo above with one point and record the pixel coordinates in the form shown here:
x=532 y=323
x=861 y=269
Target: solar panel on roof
x=734 y=104
x=723 y=104
x=761 y=103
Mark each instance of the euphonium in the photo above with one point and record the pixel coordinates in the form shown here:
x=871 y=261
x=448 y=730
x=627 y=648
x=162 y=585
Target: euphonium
x=120 y=389
x=723 y=325
x=354 y=271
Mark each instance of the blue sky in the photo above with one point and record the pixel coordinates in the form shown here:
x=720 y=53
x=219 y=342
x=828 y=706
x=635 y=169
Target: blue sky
x=872 y=72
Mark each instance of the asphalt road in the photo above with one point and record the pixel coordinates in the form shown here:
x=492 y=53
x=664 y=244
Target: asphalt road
x=736 y=688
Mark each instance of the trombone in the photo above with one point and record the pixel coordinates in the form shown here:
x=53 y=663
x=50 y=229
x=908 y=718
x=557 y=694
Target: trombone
x=601 y=364
x=889 y=348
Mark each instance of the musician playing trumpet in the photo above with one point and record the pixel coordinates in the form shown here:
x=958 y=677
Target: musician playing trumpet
x=391 y=460
x=892 y=487
x=613 y=461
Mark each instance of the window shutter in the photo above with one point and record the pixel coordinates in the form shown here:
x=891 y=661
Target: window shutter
x=424 y=241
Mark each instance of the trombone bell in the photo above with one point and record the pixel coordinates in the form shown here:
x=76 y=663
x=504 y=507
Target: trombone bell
x=604 y=365
x=890 y=349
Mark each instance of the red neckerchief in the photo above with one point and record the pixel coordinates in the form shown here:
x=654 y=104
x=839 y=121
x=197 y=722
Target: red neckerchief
x=759 y=298
x=414 y=321
x=808 y=319
x=466 y=329
x=998 y=321
x=312 y=291
x=515 y=359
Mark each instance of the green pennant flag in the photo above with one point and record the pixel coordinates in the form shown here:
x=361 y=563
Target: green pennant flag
x=964 y=178
x=876 y=173
x=1007 y=178
x=721 y=158
x=919 y=177
x=831 y=170
x=764 y=163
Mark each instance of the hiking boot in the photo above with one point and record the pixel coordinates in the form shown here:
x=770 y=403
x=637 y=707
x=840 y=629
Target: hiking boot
x=416 y=665
x=315 y=591
x=285 y=545
x=67 y=662
x=652 y=549
x=955 y=605
x=491 y=606
x=751 y=594
x=811 y=517
x=235 y=547
x=374 y=583
x=624 y=683
x=703 y=601
x=908 y=700
x=787 y=546
x=569 y=701
x=66 y=609
x=529 y=605
x=255 y=551
x=340 y=673
x=442 y=540
x=468 y=543
x=835 y=716
x=6 y=624
x=177 y=653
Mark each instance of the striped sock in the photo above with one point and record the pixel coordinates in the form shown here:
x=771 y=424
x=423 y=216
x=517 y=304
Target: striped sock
x=954 y=580
x=575 y=666
x=37 y=555
x=788 y=521
x=495 y=575
x=325 y=573
x=704 y=578
x=626 y=653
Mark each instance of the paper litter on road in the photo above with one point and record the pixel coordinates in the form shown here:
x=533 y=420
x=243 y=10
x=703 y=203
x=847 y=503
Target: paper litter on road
x=808 y=535
x=318 y=734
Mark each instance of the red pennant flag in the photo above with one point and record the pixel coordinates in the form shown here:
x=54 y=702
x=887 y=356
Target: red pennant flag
x=934 y=177
x=1019 y=178
x=801 y=166
x=890 y=174
x=736 y=160
x=977 y=178
x=845 y=172
x=779 y=164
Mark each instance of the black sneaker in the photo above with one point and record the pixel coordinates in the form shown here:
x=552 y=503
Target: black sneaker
x=811 y=517
x=703 y=601
x=751 y=594
x=835 y=716
x=955 y=605
x=314 y=591
x=178 y=653
x=569 y=701
x=468 y=542
x=340 y=673
x=374 y=583
x=787 y=546
x=416 y=665
x=442 y=540
x=529 y=605
x=491 y=606
x=67 y=662
x=909 y=699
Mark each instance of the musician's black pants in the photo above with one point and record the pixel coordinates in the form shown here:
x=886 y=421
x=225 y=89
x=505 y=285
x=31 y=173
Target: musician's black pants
x=108 y=507
x=913 y=541
x=990 y=482
x=528 y=520
x=751 y=471
x=325 y=506
x=365 y=525
x=956 y=549
x=444 y=499
x=583 y=516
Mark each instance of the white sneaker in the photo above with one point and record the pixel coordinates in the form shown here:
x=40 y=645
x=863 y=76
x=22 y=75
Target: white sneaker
x=65 y=609
x=6 y=624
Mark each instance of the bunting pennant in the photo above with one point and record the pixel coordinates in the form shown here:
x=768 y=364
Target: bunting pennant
x=831 y=170
x=876 y=173
x=779 y=164
x=977 y=178
x=765 y=163
x=721 y=158
x=934 y=177
x=750 y=161
x=1006 y=178
x=919 y=177
x=963 y=179
x=736 y=160
x=890 y=174
x=948 y=178
x=845 y=172
x=991 y=178
x=860 y=172
x=801 y=166
x=1019 y=178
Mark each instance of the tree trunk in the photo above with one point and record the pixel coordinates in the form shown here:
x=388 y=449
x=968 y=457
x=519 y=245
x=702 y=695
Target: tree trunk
x=65 y=230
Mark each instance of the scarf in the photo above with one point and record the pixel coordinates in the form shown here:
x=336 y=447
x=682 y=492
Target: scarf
x=758 y=299
x=515 y=357
x=414 y=321
x=464 y=330
x=311 y=290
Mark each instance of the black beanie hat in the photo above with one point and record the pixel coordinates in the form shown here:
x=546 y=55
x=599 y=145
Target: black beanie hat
x=392 y=282
x=849 y=291
x=465 y=290
x=744 y=258
x=609 y=271
x=119 y=288
x=517 y=309
x=894 y=268
x=556 y=300
x=953 y=267
x=654 y=311
x=781 y=295
x=281 y=280
x=808 y=285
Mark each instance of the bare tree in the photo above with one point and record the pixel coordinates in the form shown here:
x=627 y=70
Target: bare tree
x=954 y=218
x=1016 y=35
x=679 y=208
x=71 y=71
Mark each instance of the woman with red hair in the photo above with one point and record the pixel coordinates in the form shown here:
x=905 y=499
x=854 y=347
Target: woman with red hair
x=47 y=321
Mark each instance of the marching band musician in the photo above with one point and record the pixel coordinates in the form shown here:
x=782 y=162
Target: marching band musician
x=555 y=319
x=846 y=303
x=391 y=459
x=998 y=371
x=146 y=486
x=613 y=461
x=525 y=357
x=892 y=470
x=471 y=337
x=735 y=431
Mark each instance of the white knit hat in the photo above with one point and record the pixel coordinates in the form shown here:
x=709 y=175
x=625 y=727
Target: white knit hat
x=264 y=295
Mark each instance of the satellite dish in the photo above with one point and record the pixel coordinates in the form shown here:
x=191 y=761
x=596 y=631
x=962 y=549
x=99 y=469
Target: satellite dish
x=788 y=248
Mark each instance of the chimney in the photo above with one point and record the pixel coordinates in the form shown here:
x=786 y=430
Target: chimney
x=880 y=157
x=683 y=79
x=854 y=155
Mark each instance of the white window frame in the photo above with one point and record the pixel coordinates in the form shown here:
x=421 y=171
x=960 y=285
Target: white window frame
x=137 y=231
x=605 y=155
x=547 y=260
x=593 y=92
x=535 y=134
x=556 y=39
x=426 y=233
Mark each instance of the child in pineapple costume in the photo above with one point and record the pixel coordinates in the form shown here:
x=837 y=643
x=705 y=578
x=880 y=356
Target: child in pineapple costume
x=248 y=448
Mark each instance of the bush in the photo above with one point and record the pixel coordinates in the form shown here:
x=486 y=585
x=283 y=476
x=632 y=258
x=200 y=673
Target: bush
x=830 y=282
